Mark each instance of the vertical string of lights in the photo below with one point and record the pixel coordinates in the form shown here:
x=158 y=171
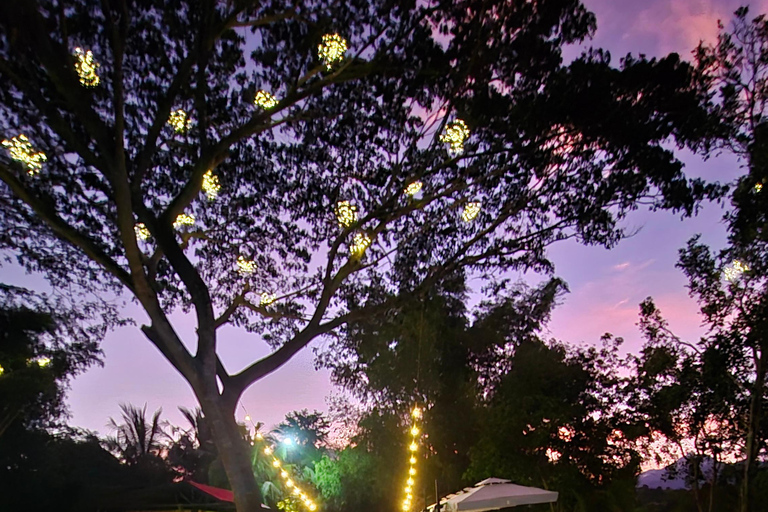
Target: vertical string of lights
x=413 y=447
x=279 y=465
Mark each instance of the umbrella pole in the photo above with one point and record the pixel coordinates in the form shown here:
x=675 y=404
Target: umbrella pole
x=437 y=498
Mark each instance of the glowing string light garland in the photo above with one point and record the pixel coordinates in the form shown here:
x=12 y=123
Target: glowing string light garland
x=278 y=464
x=2 y=370
x=360 y=243
x=455 y=133
x=266 y=298
x=179 y=120
x=43 y=361
x=245 y=266
x=734 y=271
x=346 y=213
x=470 y=212
x=86 y=67
x=412 y=448
x=211 y=185
x=183 y=219
x=331 y=50
x=264 y=100
x=414 y=188
x=22 y=151
x=142 y=232
x=758 y=187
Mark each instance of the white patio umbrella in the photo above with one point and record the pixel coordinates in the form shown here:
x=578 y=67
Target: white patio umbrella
x=494 y=494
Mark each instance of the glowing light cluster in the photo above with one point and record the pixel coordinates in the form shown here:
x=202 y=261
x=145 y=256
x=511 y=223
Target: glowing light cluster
x=179 y=120
x=414 y=188
x=245 y=266
x=86 y=67
x=470 y=212
x=264 y=100
x=2 y=370
x=455 y=133
x=758 y=187
x=734 y=271
x=211 y=185
x=142 y=232
x=412 y=449
x=43 y=361
x=22 y=151
x=267 y=298
x=183 y=219
x=278 y=464
x=332 y=49
x=346 y=213
x=360 y=243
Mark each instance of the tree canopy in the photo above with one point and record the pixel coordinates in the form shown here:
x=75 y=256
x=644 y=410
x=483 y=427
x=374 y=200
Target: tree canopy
x=291 y=168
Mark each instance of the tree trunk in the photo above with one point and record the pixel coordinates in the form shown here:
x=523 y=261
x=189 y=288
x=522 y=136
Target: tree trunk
x=753 y=426
x=235 y=454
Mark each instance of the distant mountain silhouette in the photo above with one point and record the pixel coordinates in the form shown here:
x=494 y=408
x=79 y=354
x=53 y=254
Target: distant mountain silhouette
x=672 y=476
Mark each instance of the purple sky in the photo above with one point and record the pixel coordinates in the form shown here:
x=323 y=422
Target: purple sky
x=606 y=286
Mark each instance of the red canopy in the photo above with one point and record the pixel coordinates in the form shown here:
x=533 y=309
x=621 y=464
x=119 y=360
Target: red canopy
x=216 y=492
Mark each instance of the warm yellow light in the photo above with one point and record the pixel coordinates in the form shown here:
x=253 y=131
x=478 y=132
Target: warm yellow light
x=332 y=49
x=2 y=370
x=264 y=100
x=22 y=151
x=42 y=362
x=416 y=413
x=414 y=188
x=284 y=474
x=407 y=489
x=412 y=460
x=267 y=450
x=412 y=471
x=406 y=506
x=735 y=270
x=289 y=483
x=455 y=133
x=142 y=232
x=414 y=430
x=360 y=243
x=183 y=220
x=245 y=266
x=471 y=210
x=276 y=463
x=211 y=185
x=758 y=187
x=179 y=120
x=267 y=298
x=247 y=418
x=409 y=481
x=408 y=497
x=413 y=447
x=346 y=213
x=86 y=67
x=259 y=436
x=312 y=506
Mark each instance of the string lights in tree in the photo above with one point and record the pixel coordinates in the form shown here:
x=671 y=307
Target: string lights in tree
x=470 y=212
x=346 y=213
x=360 y=243
x=413 y=447
x=86 y=67
x=245 y=266
x=331 y=50
x=266 y=298
x=758 y=187
x=211 y=185
x=43 y=361
x=264 y=100
x=455 y=133
x=22 y=151
x=183 y=219
x=142 y=232
x=413 y=188
x=2 y=370
x=285 y=472
x=734 y=271
x=179 y=120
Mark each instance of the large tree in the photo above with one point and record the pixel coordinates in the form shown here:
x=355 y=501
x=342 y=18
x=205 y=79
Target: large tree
x=450 y=137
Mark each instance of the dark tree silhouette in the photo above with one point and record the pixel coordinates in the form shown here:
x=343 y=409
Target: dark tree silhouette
x=343 y=190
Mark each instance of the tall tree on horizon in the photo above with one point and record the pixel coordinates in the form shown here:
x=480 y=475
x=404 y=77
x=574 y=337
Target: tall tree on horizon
x=290 y=168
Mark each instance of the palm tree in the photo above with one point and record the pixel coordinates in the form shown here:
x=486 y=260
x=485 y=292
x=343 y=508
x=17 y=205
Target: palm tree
x=135 y=439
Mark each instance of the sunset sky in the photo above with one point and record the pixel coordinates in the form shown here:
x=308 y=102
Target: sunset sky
x=606 y=286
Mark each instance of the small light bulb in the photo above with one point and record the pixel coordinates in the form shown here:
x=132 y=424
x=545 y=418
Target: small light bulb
x=259 y=436
x=86 y=67
x=183 y=219
x=267 y=298
x=179 y=120
x=471 y=210
x=289 y=483
x=2 y=370
x=42 y=362
x=211 y=185
x=247 y=418
x=360 y=243
x=142 y=232
x=346 y=213
x=22 y=151
x=284 y=474
x=412 y=460
x=414 y=430
x=267 y=450
x=414 y=188
x=245 y=266
x=276 y=463
x=413 y=447
x=456 y=132
x=410 y=481
x=416 y=413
